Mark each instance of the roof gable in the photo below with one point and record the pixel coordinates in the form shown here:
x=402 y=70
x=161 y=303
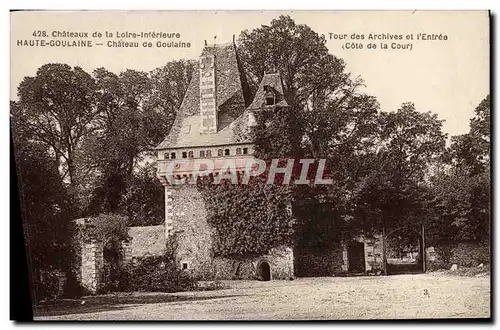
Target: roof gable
x=273 y=80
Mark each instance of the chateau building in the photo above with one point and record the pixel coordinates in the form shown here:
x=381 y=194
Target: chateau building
x=213 y=122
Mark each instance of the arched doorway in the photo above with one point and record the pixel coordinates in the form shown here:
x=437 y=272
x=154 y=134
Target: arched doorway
x=404 y=250
x=264 y=271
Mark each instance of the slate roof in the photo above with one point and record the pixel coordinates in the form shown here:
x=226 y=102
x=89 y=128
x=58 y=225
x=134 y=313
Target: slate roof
x=233 y=96
x=233 y=103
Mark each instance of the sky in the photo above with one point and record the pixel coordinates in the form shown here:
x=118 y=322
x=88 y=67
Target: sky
x=448 y=77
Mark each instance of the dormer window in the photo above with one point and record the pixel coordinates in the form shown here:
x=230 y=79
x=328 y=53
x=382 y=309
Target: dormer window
x=269 y=94
x=184 y=154
x=220 y=153
x=172 y=155
x=226 y=152
x=202 y=153
x=165 y=155
x=191 y=154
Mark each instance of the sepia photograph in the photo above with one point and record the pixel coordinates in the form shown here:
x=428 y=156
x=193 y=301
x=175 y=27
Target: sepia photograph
x=253 y=165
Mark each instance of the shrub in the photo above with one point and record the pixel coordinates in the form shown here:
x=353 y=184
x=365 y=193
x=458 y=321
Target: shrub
x=156 y=274
x=46 y=284
x=112 y=278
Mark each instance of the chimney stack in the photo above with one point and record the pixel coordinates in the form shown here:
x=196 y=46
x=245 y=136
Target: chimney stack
x=208 y=92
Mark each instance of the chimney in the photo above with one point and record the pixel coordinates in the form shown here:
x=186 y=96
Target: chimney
x=208 y=92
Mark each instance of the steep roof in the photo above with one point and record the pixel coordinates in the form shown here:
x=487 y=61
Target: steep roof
x=273 y=80
x=232 y=97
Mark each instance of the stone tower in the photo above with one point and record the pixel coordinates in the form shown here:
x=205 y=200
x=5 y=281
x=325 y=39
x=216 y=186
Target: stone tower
x=211 y=123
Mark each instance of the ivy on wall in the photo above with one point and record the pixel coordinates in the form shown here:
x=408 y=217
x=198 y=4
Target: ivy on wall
x=250 y=219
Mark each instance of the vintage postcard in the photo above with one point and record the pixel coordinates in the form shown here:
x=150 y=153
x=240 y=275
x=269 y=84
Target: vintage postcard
x=253 y=165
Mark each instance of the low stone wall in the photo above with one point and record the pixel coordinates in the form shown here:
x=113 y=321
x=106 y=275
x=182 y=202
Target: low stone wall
x=464 y=254
x=319 y=263
x=145 y=241
x=280 y=260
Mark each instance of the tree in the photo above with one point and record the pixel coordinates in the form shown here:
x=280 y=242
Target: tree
x=170 y=83
x=122 y=136
x=471 y=151
x=144 y=199
x=310 y=74
x=46 y=208
x=333 y=119
x=462 y=189
x=137 y=109
x=56 y=108
x=395 y=193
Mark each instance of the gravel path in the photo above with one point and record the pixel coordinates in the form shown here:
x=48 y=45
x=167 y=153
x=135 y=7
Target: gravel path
x=384 y=297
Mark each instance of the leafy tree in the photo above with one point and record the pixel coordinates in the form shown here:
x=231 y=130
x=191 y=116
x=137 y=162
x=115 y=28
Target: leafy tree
x=170 y=83
x=471 y=151
x=462 y=189
x=137 y=110
x=121 y=139
x=310 y=74
x=395 y=193
x=56 y=108
x=333 y=119
x=144 y=199
x=46 y=208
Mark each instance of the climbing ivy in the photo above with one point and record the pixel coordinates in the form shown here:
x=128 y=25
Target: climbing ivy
x=250 y=219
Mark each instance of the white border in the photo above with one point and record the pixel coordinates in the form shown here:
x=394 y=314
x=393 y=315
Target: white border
x=199 y=5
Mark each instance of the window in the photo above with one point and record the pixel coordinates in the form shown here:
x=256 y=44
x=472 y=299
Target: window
x=209 y=153
x=238 y=151
x=191 y=155
x=184 y=154
x=270 y=98
x=165 y=155
x=226 y=152
x=172 y=155
x=245 y=151
x=202 y=153
x=219 y=152
x=184 y=265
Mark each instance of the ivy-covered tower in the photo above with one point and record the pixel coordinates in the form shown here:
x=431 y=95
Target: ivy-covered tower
x=213 y=123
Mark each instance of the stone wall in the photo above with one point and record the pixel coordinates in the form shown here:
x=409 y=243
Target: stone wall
x=464 y=254
x=145 y=241
x=319 y=263
x=280 y=260
x=192 y=232
x=195 y=238
x=92 y=265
